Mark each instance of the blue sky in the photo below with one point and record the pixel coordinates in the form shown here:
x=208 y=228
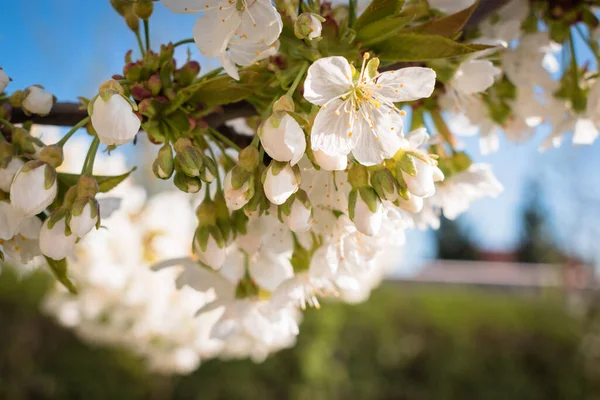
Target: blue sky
x=71 y=46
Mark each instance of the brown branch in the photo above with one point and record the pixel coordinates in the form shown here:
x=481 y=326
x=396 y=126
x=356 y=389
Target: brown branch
x=69 y=114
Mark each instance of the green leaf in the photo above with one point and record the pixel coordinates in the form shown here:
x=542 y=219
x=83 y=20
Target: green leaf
x=383 y=29
x=105 y=183
x=377 y=10
x=59 y=269
x=447 y=26
x=417 y=47
x=220 y=90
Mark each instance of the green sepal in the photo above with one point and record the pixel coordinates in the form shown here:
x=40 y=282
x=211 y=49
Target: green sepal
x=202 y=235
x=352 y=197
x=369 y=196
x=49 y=177
x=383 y=183
x=239 y=176
x=406 y=163
x=358 y=176
x=207 y=213
x=209 y=167
x=277 y=166
x=56 y=216
x=59 y=269
x=249 y=158
x=240 y=221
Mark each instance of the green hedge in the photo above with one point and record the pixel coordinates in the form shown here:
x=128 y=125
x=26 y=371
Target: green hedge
x=403 y=344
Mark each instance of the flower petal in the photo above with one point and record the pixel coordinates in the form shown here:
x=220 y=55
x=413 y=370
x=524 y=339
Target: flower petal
x=246 y=53
x=189 y=6
x=417 y=138
x=382 y=139
x=585 y=132
x=229 y=66
x=327 y=79
x=260 y=23
x=214 y=29
x=474 y=76
x=332 y=130
x=406 y=84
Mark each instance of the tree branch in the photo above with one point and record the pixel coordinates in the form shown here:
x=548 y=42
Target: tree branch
x=69 y=114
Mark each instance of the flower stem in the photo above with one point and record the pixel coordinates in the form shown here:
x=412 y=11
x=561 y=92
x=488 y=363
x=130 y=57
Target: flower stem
x=224 y=139
x=182 y=42
x=212 y=154
x=351 y=12
x=74 y=129
x=7 y=123
x=298 y=78
x=442 y=128
x=88 y=164
x=140 y=43
x=578 y=101
x=147 y=34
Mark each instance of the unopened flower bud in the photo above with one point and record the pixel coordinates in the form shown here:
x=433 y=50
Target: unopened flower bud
x=7 y=173
x=420 y=181
x=366 y=210
x=120 y=6
x=84 y=216
x=4 y=79
x=186 y=183
x=209 y=172
x=297 y=212
x=154 y=84
x=87 y=186
x=132 y=20
x=52 y=155
x=413 y=204
x=34 y=188
x=37 y=101
x=56 y=239
x=112 y=116
x=330 y=163
x=143 y=8
x=188 y=160
x=238 y=188
x=383 y=183
x=25 y=143
x=163 y=166
x=209 y=246
x=187 y=73
x=308 y=26
x=282 y=138
x=281 y=181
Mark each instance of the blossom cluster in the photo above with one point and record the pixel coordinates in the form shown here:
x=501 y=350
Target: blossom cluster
x=314 y=199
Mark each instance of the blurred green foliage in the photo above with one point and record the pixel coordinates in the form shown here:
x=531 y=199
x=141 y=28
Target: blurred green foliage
x=405 y=343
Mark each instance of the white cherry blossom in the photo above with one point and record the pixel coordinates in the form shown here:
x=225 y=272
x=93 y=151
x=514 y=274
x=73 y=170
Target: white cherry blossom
x=357 y=114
